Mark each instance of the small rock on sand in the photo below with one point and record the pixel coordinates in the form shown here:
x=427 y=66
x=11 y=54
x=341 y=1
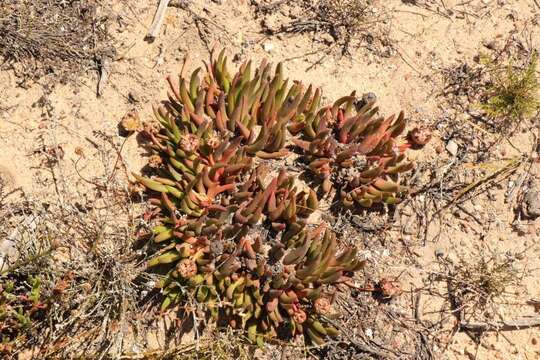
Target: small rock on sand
x=531 y=200
x=452 y=147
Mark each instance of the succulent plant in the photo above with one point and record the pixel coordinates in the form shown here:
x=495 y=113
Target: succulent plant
x=233 y=234
x=353 y=149
x=22 y=304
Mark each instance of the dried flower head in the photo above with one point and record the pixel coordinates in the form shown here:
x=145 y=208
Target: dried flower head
x=151 y=127
x=186 y=268
x=389 y=288
x=189 y=142
x=217 y=247
x=155 y=161
x=213 y=141
x=135 y=188
x=299 y=316
x=322 y=306
x=130 y=122
x=420 y=136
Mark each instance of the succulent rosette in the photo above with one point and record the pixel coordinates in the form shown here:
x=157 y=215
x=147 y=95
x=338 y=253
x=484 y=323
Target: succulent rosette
x=233 y=234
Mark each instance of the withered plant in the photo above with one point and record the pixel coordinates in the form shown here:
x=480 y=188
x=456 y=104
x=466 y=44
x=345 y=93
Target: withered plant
x=60 y=37
x=234 y=235
x=347 y=24
x=478 y=285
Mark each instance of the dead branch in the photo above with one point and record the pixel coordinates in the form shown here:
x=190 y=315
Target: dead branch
x=67 y=37
x=505 y=325
x=377 y=351
x=104 y=72
x=158 y=20
x=270 y=7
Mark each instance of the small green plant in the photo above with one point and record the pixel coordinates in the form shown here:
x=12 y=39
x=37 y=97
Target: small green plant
x=20 y=305
x=234 y=234
x=514 y=93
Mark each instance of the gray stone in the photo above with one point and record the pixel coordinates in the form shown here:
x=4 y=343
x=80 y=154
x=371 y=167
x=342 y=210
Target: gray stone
x=133 y=97
x=531 y=200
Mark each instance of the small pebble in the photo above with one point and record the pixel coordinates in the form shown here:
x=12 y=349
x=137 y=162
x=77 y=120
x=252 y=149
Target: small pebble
x=133 y=97
x=452 y=147
x=327 y=38
x=268 y=47
x=368 y=97
x=531 y=201
x=491 y=45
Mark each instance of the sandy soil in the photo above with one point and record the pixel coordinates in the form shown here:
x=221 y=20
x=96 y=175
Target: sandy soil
x=424 y=40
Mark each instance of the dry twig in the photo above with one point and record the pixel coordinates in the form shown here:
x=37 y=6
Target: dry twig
x=505 y=325
x=158 y=20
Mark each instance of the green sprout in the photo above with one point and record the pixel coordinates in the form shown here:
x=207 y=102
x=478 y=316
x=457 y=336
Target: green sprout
x=513 y=94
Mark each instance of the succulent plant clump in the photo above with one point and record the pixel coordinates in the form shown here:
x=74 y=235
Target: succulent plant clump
x=354 y=150
x=234 y=235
